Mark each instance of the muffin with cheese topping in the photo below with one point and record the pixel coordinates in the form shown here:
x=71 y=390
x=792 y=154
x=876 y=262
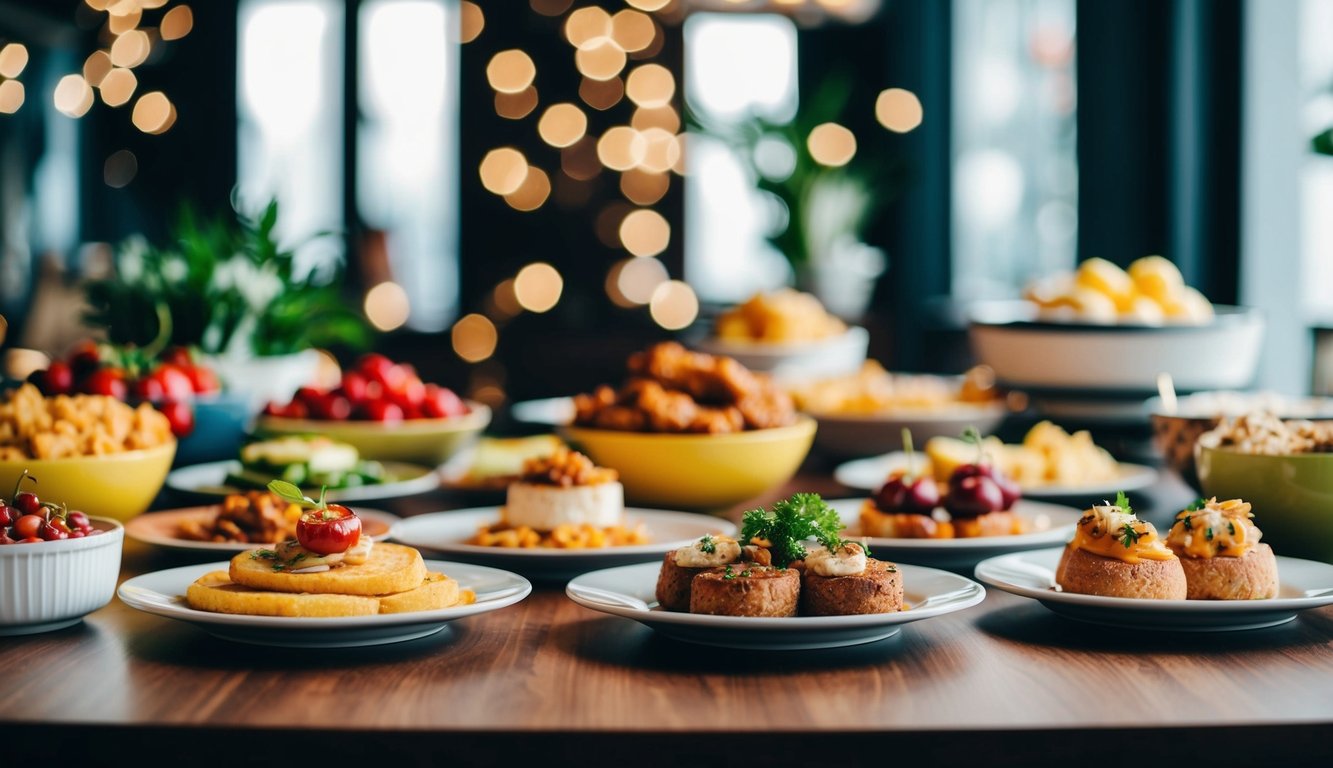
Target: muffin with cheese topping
x=846 y=581
x=1115 y=554
x=1220 y=552
x=680 y=566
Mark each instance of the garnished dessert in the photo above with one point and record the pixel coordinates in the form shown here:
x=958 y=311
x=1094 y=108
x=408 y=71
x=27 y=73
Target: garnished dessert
x=26 y=519
x=671 y=389
x=562 y=501
x=1115 y=554
x=330 y=569
x=1219 y=549
x=977 y=501
x=788 y=562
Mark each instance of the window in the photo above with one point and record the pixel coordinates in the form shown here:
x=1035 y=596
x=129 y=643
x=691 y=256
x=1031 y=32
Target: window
x=1317 y=170
x=1015 y=178
x=735 y=65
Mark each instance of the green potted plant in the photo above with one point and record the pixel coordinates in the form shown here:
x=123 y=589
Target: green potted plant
x=230 y=290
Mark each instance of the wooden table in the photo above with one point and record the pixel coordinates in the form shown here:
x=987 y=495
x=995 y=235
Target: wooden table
x=1005 y=683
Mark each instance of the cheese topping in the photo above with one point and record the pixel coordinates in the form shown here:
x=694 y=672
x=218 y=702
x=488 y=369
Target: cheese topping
x=709 y=552
x=1220 y=528
x=847 y=560
x=1110 y=531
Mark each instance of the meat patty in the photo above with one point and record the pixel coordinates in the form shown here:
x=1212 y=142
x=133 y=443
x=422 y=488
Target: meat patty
x=673 y=583
x=746 y=590
x=877 y=589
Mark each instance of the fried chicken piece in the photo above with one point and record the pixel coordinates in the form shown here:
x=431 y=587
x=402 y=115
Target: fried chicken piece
x=717 y=421
x=768 y=407
x=709 y=379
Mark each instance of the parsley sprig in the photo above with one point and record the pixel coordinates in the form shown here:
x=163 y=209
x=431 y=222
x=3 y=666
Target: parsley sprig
x=1128 y=536
x=791 y=522
x=1122 y=501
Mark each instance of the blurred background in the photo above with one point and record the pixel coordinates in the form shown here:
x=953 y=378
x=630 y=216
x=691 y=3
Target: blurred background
x=520 y=193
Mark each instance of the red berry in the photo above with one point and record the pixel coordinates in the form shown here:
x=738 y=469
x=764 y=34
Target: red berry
x=107 y=381
x=178 y=356
x=273 y=409
x=377 y=367
x=78 y=520
x=354 y=387
x=308 y=395
x=59 y=379
x=54 y=530
x=149 y=389
x=176 y=384
x=28 y=526
x=973 y=496
x=441 y=403
x=295 y=410
x=380 y=410
x=179 y=415
x=203 y=379
x=28 y=503
x=85 y=359
x=8 y=515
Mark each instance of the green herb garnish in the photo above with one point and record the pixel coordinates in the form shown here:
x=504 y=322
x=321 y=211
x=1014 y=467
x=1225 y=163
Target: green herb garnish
x=1231 y=527
x=293 y=495
x=707 y=545
x=1128 y=536
x=1197 y=505
x=263 y=554
x=790 y=524
x=730 y=574
x=1209 y=534
x=747 y=573
x=1122 y=501
x=1188 y=524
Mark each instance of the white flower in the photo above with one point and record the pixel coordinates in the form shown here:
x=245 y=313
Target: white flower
x=174 y=270
x=130 y=263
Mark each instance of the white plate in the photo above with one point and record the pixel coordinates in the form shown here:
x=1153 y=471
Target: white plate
x=1303 y=584
x=447 y=532
x=159 y=529
x=869 y=474
x=1049 y=524
x=163 y=593
x=629 y=591
x=209 y=481
x=550 y=411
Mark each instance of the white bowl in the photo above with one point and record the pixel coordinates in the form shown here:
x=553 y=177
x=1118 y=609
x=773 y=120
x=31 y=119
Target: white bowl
x=798 y=361
x=1121 y=359
x=53 y=584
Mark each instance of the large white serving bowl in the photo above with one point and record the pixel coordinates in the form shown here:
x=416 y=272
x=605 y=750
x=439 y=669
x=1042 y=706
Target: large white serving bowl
x=52 y=584
x=797 y=361
x=1027 y=352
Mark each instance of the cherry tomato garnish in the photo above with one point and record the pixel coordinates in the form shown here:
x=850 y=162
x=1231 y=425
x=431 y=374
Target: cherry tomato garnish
x=176 y=384
x=330 y=530
x=203 y=380
x=441 y=403
x=59 y=379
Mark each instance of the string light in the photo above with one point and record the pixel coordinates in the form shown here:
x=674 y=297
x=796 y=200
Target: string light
x=511 y=71
x=538 y=286
x=131 y=49
x=154 y=113
x=11 y=96
x=661 y=151
x=645 y=232
x=532 y=193
x=633 y=31
x=621 y=148
x=503 y=170
x=13 y=59
x=474 y=337
x=898 y=110
x=644 y=187
x=562 y=124
x=471 y=21
x=650 y=85
x=516 y=106
x=179 y=21
x=638 y=278
x=387 y=306
x=117 y=87
x=72 y=96
x=600 y=59
x=831 y=144
x=674 y=305
x=665 y=118
x=587 y=25
x=96 y=67
x=601 y=94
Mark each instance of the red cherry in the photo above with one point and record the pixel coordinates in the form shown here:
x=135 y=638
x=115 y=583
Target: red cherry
x=78 y=521
x=1008 y=488
x=59 y=379
x=973 y=496
x=382 y=411
x=203 y=380
x=54 y=530
x=332 y=407
x=28 y=503
x=176 y=384
x=8 y=515
x=273 y=409
x=85 y=359
x=107 y=381
x=923 y=496
x=442 y=403
x=179 y=415
x=28 y=527
x=178 y=356
x=295 y=410
x=377 y=367
x=892 y=496
x=354 y=387
x=150 y=389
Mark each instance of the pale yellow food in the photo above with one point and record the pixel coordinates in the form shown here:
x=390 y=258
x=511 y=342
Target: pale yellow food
x=215 y=592
x=37 y=427
x=391 y=568
x=561 y=537
x=1047 y=456
x=1151 y=292
x=783 y=316
x=874 y=390
x=437 y=591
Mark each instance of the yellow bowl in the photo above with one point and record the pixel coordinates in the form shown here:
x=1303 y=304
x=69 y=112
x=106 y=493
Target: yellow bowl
x=419 y=441
x=697 y=471
x=119 y=485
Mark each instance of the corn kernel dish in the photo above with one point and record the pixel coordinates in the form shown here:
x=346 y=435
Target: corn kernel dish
x=60 y=427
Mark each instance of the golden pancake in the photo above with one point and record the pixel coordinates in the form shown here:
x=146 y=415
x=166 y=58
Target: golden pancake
x=215 y=592
x=391 y=568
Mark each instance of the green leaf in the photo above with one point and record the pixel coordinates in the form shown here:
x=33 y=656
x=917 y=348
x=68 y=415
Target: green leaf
x=1128 y=536
x=793 y=521
x=290 y=493
x=1122 y=501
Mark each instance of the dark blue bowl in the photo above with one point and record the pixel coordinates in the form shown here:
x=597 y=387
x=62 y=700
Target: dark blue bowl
x=221 y=423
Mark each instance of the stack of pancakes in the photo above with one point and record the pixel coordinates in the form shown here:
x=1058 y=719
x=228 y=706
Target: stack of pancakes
x=393 y=579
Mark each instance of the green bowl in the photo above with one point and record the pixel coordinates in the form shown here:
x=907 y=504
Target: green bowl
x=1292 y=496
